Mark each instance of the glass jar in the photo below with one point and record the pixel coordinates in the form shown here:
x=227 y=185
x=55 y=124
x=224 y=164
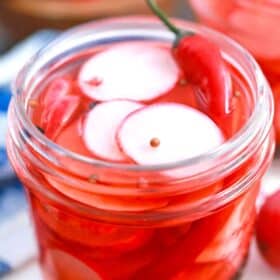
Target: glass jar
x=128 y=221
x=21 y=17
x=252 y=24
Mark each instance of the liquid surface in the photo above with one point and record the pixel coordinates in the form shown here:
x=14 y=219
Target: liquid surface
x=65 y=100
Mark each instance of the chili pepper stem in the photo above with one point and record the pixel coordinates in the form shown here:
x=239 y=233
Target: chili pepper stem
x=164 y=18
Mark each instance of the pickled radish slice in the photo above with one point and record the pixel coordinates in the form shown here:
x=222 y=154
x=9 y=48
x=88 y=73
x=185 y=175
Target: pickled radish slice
x=116 y=204
x=84 y=231
x=135 y=72
x=183 y=202
x=61 y=114
x=200 y=234
x=63 y=265
x=58 y=89
x=108 y=203
x=169 y=236
x=232 y=234
x=210 y=271
x=101 y=126
x=166 y=133
x=129 y=266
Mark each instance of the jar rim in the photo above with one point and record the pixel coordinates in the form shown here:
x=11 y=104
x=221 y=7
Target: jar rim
x=258 y=125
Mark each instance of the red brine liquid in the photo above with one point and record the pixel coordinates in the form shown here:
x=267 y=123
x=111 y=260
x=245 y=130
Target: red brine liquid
x=213 y=246
x=135 y=166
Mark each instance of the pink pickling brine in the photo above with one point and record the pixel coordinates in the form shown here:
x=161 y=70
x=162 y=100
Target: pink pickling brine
x=129 y=176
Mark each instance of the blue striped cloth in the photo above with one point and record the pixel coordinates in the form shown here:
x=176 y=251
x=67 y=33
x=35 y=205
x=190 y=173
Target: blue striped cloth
x=17 y=245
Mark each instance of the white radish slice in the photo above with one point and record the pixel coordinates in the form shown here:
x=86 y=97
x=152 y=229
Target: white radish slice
x=129 y=71
x=101 y=125
x=177 y=131
x=59 y=260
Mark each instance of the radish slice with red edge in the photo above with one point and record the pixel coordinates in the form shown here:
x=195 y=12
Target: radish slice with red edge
x=58 y=89
x=167 y=133
x=134 y=72
x=101 y=125
x=61 y=114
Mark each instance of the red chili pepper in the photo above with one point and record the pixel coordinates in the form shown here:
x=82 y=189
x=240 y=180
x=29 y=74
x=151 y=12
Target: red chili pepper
x=203 y=66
